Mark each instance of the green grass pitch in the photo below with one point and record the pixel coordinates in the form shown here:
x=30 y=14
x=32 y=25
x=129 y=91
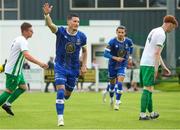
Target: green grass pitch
x=86 y=111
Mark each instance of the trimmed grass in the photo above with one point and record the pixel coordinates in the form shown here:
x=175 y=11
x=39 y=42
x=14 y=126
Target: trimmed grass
x=86 y=111
x=168 y=86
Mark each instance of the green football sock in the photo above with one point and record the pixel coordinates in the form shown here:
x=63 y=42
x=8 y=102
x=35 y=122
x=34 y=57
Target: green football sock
x=150 y=105
x=3 y=97
x=15 y=95
x=144 y=100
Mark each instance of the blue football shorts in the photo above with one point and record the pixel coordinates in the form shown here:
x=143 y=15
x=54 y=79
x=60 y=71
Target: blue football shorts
x=114 y=73
x=65 y=77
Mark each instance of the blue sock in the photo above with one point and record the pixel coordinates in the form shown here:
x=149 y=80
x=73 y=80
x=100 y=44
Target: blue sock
x=60 y=102
x=111 y=90
x=118 y=91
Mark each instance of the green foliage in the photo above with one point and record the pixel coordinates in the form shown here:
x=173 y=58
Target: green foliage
x=103 y=75
x=178 y=70
x=86 y=111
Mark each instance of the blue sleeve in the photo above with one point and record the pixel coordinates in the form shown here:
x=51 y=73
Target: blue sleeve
x=107 y=51
x=59 y=31
x=107 y=54
x=110 y=43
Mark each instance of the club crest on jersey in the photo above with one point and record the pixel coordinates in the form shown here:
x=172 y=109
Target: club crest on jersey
x=121 y=53
x=70 y=47
x=78 y=42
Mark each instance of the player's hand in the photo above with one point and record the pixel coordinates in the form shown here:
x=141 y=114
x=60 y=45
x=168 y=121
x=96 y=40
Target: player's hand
x=47 y=8
x=118 y=59
x=83 y=69
x=166 y=72
x=44 y=65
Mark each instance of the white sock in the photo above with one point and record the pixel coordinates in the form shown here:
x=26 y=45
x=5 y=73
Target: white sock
x=60 y=116
x=118 y=102
x=142 y=114
x=7 y=103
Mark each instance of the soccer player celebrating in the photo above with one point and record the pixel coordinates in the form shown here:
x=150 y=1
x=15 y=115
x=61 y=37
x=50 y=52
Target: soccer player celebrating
x=13 y=68
x=150 y=60
x=69 y=41
x=118 y=51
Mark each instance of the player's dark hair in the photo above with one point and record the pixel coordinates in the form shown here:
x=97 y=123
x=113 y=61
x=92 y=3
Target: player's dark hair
x=121 y=27
x=25 y=26
x=70 y=16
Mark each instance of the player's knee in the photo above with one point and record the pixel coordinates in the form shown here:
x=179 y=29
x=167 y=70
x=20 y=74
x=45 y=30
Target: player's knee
x=112 y=81
x=58 y=87
x=149 y=88
x=8 y=91
x=23 y=87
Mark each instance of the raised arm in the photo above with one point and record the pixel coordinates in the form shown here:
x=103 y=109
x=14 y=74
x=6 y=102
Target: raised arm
x=47 y=10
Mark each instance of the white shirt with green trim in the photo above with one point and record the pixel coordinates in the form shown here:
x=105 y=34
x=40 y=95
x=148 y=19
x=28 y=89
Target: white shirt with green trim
x=155 y=38
x=16 y=58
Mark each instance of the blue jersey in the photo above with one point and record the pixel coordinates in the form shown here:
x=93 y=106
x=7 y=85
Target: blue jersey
x=120 y=49
x=68 y=48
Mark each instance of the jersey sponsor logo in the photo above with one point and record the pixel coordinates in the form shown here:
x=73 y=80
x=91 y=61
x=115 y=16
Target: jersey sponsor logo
x=70 y=47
